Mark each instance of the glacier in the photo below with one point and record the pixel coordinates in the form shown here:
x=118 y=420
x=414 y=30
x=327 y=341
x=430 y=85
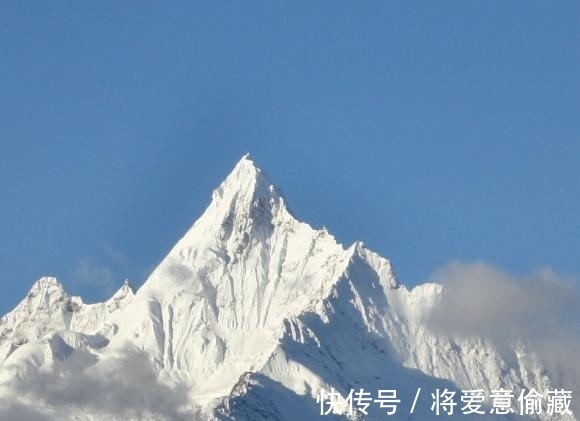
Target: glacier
x=249 y=316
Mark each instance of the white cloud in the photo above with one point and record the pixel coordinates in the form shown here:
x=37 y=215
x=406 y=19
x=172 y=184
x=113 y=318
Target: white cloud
x=15 y=411
x=126 y=387
x=542 y=309
x=483 y=300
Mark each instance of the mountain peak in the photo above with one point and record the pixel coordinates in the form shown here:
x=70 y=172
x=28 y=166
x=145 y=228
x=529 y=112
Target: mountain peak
x=246 y=198
x=244 y=209
x=125 y=291
x=246 y=178
x=45 y=284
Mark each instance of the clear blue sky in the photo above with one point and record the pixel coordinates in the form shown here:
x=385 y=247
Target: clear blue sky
x=432 y=131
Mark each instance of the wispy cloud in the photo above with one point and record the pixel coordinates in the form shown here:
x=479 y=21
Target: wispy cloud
x=89 y=272
x=115 y=255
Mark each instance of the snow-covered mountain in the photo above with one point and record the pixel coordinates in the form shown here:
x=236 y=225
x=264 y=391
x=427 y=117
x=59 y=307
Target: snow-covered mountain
x=48 y=309
x=249 y=316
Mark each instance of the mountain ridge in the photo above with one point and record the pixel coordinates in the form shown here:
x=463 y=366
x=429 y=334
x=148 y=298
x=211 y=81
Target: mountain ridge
x=250 y=303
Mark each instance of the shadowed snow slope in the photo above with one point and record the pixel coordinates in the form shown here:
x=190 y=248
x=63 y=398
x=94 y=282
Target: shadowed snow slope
x=249 y=315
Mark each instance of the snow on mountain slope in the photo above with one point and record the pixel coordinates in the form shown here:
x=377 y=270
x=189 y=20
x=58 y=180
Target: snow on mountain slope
x=214 y=308
x=47 y=308
x=249 y=316
x=358 y=340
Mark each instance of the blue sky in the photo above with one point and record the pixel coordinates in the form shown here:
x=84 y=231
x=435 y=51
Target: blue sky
x=433 y=131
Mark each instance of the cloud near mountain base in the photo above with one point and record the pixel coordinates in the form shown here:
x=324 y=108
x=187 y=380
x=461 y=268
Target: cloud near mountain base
x=123 y=388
